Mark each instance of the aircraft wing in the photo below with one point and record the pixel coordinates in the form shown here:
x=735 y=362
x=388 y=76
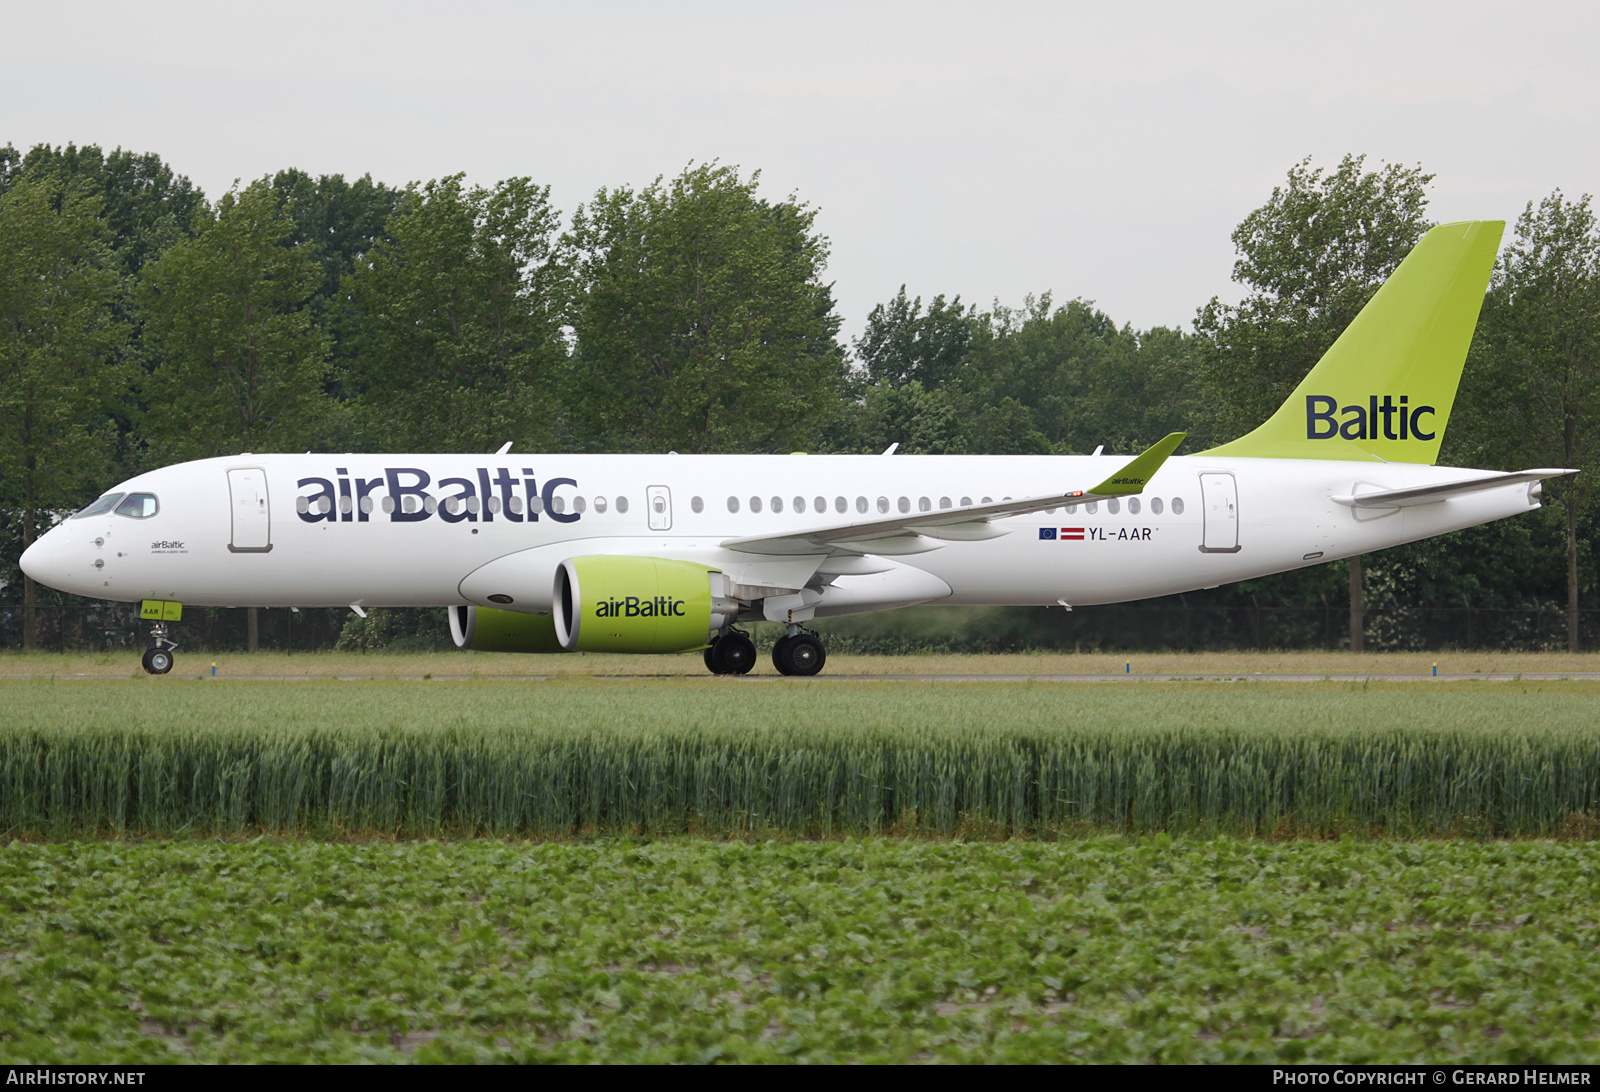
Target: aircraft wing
x=911 y=533
x=1432 y=494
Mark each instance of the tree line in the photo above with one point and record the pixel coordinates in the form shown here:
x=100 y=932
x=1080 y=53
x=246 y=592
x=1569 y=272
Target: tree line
x=146 y=324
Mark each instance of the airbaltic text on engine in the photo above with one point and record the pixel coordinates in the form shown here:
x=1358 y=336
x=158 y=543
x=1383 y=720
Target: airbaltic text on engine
x=633 y=607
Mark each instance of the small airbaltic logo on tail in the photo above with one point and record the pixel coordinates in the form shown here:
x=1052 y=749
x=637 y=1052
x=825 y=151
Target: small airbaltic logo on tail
x=1397 y=422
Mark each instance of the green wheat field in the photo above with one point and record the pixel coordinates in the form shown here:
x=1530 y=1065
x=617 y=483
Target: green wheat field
x=814 y=758
x=691 y=869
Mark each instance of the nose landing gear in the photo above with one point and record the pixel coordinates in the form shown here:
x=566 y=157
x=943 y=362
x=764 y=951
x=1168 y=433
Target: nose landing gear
x=157 y=659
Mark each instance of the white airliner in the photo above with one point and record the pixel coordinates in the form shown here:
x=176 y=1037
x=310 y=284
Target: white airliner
x=658 y=553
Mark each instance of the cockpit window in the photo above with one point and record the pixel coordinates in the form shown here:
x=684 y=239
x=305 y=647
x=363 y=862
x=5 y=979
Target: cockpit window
x=99 y=507
x=138 y=506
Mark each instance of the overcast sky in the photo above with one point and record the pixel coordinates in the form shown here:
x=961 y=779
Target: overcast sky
x=987 y=150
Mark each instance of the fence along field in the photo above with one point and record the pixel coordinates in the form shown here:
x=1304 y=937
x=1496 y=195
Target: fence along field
x=659 y=757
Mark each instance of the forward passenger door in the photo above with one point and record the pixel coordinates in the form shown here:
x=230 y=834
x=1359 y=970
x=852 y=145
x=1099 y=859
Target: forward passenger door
x=247 y=495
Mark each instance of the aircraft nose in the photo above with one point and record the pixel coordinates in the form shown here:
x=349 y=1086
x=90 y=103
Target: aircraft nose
x=47 y=562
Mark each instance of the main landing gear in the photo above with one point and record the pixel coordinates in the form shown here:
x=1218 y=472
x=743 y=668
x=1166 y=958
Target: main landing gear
x=732 y=653
x=798 y=652
x=157 y=659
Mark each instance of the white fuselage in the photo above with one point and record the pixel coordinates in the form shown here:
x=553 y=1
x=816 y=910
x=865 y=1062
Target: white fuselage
x=252 y=530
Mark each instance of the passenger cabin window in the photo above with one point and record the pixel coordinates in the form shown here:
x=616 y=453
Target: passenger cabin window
x=799 y=504
x=138 y=506
x=1133 y=505
x=861 y=504
x=622 y=505
x=904 y=504
x=100 y=507
x=1113 y=506
x=1093 y=507
x=1155 y=505
x=820 y=503
x=755 y=504
x=1177 y=506
x=924 y=504
x=777 y=504
x=733 y=504
x=944 y=502
x=599 y=504
x=840 y=504
x=696 y=505
x=966 y=501
x=578 y=504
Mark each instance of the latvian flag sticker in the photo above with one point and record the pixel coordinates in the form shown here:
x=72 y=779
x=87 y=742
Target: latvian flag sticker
x=1072 y=533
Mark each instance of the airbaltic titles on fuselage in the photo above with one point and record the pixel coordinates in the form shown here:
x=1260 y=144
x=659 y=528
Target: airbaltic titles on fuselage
x=405 y=497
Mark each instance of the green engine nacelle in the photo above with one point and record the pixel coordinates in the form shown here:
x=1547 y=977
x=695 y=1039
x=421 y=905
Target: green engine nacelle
x=622 y=603
x=484 y=629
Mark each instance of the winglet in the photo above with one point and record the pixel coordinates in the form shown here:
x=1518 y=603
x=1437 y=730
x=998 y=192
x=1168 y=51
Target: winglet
x=1137 y=474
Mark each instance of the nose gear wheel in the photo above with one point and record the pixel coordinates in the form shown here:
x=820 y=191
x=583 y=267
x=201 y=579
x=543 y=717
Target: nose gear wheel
x=157 y=659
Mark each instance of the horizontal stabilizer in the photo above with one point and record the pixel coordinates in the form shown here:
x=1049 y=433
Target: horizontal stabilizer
x=1433 y=494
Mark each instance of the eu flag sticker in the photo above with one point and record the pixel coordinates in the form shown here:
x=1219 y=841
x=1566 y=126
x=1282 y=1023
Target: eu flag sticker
x=1047 y=532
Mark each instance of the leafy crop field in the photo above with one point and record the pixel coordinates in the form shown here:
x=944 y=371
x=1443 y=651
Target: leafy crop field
x=1108 y=950
x=796 y=757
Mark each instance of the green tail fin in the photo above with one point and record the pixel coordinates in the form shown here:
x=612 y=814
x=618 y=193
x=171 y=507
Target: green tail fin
x=1386 y=386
